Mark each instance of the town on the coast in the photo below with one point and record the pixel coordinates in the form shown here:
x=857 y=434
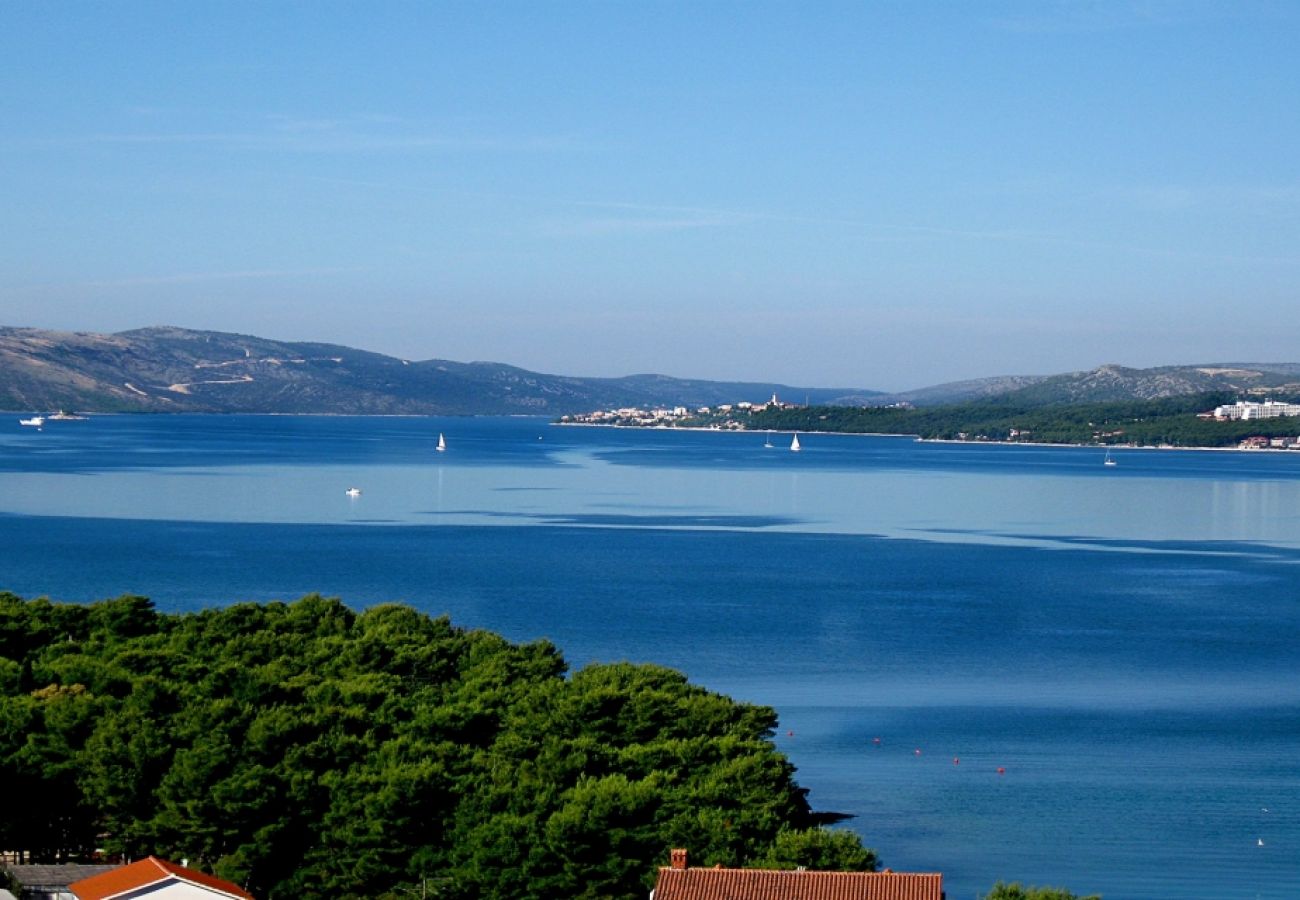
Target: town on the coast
x=723 y=417
x=744 y=415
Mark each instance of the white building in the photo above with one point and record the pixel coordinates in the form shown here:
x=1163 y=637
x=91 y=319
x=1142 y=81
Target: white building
x=1247 y=410
x=156 y=879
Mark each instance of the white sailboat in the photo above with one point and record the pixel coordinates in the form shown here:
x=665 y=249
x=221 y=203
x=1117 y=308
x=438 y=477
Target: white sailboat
x=794 y=444
x=1108 y=461
x=768 y=442
x=442 y=443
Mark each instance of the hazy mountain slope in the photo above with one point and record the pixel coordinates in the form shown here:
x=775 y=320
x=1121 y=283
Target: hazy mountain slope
x=178 y=370
x=1112 y=383
x=1116 y=383
x=964 y=391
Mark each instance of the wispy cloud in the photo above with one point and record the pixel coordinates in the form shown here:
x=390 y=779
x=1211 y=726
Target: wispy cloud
x=198 y=277
x=1256 y=198
x=590 y=218
x=324 y=141
x=1085 y=16
x=639 y=218
x=283 y=133
x=599 y=227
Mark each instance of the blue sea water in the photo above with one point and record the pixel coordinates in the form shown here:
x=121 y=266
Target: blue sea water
x=1123 y=642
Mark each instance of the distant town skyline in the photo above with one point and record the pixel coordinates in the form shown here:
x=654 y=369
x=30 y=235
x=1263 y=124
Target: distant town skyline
x=877 y=195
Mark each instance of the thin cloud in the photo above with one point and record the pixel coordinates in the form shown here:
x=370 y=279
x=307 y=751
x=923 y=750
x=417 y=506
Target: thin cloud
x=677 y=217
x=650 y=218
x=1079 y=17
x=198 y=277
x=1239 y=198
x=307 y=141
x=599 y=227
x=285 y=133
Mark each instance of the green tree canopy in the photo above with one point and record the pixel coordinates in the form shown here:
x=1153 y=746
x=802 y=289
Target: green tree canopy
x=1016 y=891
x=306 y=749
x=819 y=849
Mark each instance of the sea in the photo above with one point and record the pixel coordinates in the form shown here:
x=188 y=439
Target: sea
x=1002 y=662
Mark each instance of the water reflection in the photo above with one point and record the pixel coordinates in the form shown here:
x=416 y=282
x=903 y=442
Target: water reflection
x=265 y=469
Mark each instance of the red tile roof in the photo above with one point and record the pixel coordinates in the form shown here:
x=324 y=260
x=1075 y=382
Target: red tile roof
x=769 y=884
x=149 y=872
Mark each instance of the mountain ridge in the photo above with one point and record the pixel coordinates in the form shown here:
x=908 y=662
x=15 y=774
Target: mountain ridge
x=1111 y=382
x=171 y=369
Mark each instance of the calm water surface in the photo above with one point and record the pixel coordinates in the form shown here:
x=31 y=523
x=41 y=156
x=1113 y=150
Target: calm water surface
x=1124 y=642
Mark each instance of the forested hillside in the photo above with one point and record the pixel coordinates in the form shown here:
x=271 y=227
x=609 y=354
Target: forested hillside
x=306 y=750
x=180 y=370
x=1170 y=421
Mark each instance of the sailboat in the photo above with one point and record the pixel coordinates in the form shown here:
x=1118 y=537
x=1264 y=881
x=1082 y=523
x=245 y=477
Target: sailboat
x=768 y=442
x=1108 y=461
x=794 y=444
x=442 y=443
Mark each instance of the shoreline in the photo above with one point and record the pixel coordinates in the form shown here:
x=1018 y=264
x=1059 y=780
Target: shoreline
x=922 y=440
x=693 y=428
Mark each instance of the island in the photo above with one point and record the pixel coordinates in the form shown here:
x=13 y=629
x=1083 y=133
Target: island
x=1211 y=420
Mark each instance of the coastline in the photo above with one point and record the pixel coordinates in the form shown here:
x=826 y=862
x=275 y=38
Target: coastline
x=920 y=440
x=695 y=428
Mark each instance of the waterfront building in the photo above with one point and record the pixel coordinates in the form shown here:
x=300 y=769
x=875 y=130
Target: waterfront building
x=677 y=881
x=155 y=879
x=1246 y=410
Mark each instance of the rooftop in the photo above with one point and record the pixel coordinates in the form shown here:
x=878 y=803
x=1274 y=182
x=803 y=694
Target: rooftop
x=150 y=872
x=770 y=884
x=32 y=877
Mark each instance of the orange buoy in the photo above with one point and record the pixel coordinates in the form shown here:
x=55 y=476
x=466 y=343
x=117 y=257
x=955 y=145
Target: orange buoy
x=1001 y=770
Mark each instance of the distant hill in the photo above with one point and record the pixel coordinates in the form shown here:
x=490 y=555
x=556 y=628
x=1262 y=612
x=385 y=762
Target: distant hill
x=962 y=391
x=178 y=370
x=1111 y=383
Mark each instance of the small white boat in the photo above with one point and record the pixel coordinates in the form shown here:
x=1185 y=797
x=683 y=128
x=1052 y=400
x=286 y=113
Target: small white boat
x=794 y=444
x=442 y=443
x=34 y=421
x=353 y=492
x=768 y=442
x=64 y=416
x=1108 y=461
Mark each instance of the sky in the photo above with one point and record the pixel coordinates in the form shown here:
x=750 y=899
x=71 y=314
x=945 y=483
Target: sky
x=879 y=195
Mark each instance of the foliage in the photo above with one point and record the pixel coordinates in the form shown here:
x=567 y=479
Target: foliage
x=305 y=749
x=1015 y=891
x=1173 y=421
x=819 y=849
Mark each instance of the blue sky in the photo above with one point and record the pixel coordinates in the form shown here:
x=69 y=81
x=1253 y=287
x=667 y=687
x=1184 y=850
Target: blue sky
x=879 y=195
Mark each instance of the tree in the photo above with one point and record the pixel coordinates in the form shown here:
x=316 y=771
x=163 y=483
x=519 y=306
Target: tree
x=303 y=749
x=1016 y=891
x=821 y=849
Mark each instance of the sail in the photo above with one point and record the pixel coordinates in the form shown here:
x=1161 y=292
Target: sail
x=794 y=444
x=442 y=442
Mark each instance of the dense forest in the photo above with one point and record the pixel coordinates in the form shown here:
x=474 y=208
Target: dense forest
x=303 y=749
x=1171 y=421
